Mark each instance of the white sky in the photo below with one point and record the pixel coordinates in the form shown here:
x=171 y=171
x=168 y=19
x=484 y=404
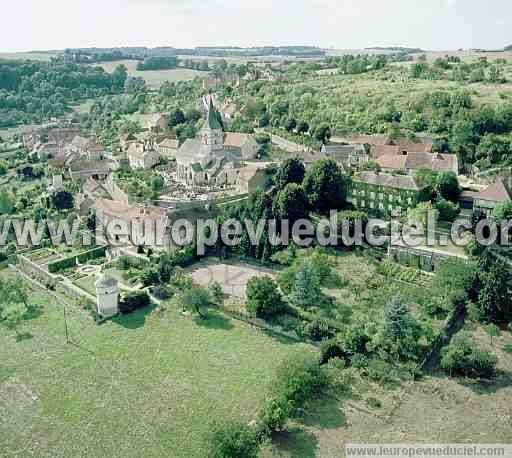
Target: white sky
x=349 y=24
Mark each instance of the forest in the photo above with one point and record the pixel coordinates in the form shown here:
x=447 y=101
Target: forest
x=32 y=92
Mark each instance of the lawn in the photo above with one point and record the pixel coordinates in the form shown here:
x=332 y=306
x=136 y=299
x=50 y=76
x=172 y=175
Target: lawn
x=144 y=385
x=154 y=78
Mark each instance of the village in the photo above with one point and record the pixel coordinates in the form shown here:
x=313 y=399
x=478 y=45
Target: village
x=370 y=328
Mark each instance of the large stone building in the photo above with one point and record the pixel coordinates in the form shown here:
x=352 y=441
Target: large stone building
x=214 y=158
x=384 y=191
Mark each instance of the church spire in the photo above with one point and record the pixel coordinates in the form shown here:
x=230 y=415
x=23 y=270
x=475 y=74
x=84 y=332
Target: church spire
x=214 y=119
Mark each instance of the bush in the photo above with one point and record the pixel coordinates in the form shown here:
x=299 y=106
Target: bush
x=263 y=297
x=463 y=357
x=318 y=330
x=374 y=403
x=232 y=440
x=296 y=382
x=133 y=301
x=162 y=292
x=338 y=377
x=331 y=349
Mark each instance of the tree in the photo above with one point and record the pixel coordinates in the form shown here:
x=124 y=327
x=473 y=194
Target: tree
x=421 y=212
x=291 y=203
x=176 y=118
x=290 y=171
x=306 y=290
x=400 y=332
x=503 y=212
x=119 y=76
x=463 y=357
x=263 y=297
x=494 y=300
x=233 y=440
x=448 y=211
x=323 y=133
x=447 y=186
x=6 y=203
x=217 y=293
x=302 y=127
x=62 y=200
x=290 y=124
x=493 y=331
x=134 y=85
x=196 y=300
x=325 y=186
x=12 y=316
x=157 y=183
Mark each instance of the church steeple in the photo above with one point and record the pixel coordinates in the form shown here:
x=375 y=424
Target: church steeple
x=212 y=133
x=214 y=119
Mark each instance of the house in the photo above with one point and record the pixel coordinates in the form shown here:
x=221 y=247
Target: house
x=63 y=135
x=156 y=123
x=137 y=218
x=142 y=156
x=246 y=143
x=228 y=110
x=126 y=140
x=84 y=147
x=46 y=151
x=213 y=158
x=168 y=146
x=348 y=155
x=82 y=169
x=409 y=162
x=488 y=199
x=384 y=191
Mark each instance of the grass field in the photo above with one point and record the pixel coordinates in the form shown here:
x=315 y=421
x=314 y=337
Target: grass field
x=154 y=78
x=45 y=56
x=144 y=385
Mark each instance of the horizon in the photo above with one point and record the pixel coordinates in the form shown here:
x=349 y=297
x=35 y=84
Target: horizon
x=442 y=25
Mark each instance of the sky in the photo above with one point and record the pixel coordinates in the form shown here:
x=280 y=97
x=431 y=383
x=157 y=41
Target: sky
x=343 y=24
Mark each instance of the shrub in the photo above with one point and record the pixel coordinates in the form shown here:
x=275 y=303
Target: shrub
x=374 y=403
x=263 y=297
x=296 y=381
x=162 y=292
x=507 y=348
x=133 y=301
x=231 y=440
x=463 y=357
x=318 y=330
x=339 y=378
x=331 y=349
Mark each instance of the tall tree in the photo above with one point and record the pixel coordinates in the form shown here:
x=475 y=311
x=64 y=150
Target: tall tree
x=325 y=186
x=306 y=289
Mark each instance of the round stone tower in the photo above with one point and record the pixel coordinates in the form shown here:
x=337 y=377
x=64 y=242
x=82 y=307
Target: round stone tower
x=107 y=294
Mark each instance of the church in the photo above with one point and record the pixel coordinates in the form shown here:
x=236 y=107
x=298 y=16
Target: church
x=214 y=158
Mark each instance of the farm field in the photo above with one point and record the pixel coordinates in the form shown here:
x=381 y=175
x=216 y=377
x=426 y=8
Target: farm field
x=44 y=56
x=144 y=385
x=154 y=78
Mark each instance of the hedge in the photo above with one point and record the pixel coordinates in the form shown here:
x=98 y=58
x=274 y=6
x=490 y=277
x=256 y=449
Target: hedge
x=66 y=263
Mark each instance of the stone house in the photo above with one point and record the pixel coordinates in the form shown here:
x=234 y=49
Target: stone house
x=168 y=146
x=142 y=156
x=348 y=155
x=492 y=196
